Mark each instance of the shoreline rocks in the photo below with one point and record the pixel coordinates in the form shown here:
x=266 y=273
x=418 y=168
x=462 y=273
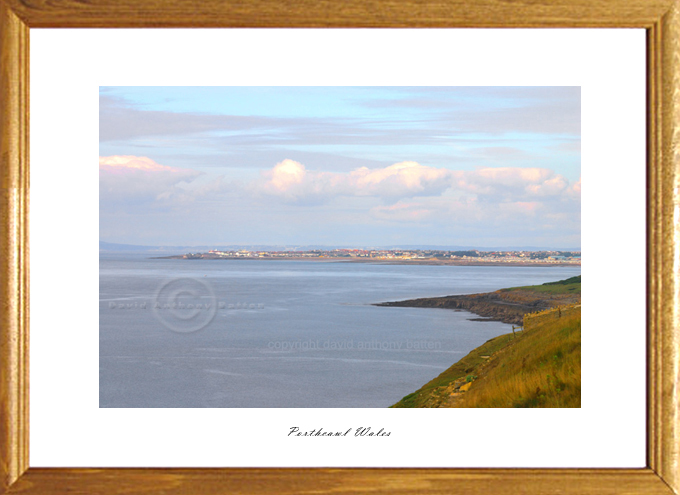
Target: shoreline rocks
x=506 y=306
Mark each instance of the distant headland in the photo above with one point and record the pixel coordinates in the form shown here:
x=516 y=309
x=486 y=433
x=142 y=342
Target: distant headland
x=398 y=256
x=505 y=305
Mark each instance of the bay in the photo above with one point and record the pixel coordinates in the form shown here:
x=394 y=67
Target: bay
x=284 y=333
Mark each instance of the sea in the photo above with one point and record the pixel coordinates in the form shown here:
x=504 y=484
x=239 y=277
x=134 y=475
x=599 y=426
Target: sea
x=284 y=333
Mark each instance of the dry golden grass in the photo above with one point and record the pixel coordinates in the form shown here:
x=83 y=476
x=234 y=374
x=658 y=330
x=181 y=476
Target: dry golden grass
x=433 y=393
x=542 y=368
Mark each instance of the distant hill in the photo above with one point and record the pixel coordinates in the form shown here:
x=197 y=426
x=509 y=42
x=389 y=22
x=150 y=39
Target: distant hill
x=115 y=247
x=110 y=246
x=134 y=248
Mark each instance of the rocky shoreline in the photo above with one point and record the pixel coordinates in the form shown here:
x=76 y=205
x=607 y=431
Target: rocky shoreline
x=504 y=305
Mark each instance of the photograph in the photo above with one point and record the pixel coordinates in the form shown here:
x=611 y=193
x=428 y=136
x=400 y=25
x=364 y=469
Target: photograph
x=340 y=247
x=310 y=213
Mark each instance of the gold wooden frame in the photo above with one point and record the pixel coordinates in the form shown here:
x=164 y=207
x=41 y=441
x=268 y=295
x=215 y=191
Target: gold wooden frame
x=660 y=18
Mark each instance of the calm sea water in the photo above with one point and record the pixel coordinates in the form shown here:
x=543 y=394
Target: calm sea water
x=283 y=333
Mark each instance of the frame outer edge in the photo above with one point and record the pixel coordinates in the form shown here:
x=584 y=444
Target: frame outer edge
x=664 y=364
x=14 y=36
x=664 y=450
x=330 y=13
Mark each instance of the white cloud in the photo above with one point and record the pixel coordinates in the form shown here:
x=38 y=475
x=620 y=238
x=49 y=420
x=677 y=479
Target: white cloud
x=446 y=214
x=127 y=179
x=450 y=203
x=292 y=182
x=403 y=212
x=513 y=184
x=575 y=189
x=403 y=179
x=550 y=187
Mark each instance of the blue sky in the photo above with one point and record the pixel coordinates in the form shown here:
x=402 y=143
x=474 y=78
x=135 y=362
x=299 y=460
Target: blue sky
x=478 y=166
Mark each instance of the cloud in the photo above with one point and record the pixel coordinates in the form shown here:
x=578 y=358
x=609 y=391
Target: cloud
x=510 y=177
x=124 y=163
x=574 y=190
x=411 y=199
x=348 y=165
x=447 y=114
x=450 y=213
x=291 y=181
x=127 y=179
x=401 y=179
x=403 y=212
x=553 y=117
x=506 y=184
x=539 y=110
x=406 y=190
x=118 y=121
x=549 y=187
x=405 y=198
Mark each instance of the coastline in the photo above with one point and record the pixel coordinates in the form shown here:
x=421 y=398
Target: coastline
x=554 y=308
x=504 y=305
x=380 y=261
x=537 y=367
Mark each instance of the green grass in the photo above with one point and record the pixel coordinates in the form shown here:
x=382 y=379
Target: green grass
x=567 y=281
x=568 y=286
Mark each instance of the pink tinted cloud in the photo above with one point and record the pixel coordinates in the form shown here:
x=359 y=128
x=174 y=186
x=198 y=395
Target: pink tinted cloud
x=526 y=207
x=575 y=188
x=122 y=163
x=291 y=180
x=512 y=176
x=550 y=187
x=513 y=184
x=400 y=179
x=135 y=179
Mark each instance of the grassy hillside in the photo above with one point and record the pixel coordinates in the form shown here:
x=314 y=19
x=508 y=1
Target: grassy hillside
x=436 y=392
x=568 y=286
x=539 y=367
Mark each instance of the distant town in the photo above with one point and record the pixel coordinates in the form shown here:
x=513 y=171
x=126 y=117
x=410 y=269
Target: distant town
x=418 y=256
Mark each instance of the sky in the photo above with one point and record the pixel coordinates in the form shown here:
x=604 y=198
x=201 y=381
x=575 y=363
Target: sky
x=340 y=166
